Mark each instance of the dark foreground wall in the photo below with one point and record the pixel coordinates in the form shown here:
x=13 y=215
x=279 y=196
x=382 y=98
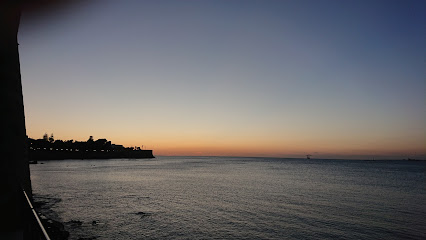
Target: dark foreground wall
x=36 y=155
x=14 y=170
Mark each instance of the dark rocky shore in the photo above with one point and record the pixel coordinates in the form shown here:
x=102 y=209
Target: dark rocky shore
x=56 y=228
x=50 y=219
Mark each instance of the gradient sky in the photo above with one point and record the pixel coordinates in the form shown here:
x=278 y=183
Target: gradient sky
x=339 y=79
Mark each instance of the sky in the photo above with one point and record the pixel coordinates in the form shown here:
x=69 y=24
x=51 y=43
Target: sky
x=335 y=79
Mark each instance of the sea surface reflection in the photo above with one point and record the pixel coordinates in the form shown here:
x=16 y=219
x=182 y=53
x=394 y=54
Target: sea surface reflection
x=235 y=198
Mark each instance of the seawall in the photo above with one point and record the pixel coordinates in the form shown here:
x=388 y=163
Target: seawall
x=35 y=155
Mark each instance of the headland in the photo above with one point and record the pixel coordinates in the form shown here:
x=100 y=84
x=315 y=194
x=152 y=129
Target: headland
x=48 y=148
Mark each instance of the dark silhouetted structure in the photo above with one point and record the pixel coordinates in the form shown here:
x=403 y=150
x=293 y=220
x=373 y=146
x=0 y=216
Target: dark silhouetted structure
x=50 y=149
x=14 y=170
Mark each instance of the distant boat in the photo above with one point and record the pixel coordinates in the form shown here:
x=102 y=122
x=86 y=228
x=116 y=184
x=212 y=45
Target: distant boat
x=308 y=156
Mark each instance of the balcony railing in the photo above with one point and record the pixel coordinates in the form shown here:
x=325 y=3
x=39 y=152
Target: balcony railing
x=43 y=234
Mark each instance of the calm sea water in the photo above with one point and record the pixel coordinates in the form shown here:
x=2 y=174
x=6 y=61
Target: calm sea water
x=235 y=198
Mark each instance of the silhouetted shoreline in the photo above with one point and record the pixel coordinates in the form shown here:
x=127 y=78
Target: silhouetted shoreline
x=37 y=155
x=48 y=148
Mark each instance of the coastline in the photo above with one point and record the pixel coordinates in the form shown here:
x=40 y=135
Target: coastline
x=36 y=155
x=49 y=218
x=55 y=227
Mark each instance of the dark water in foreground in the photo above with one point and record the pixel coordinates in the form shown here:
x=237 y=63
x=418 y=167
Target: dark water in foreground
x=235 y=198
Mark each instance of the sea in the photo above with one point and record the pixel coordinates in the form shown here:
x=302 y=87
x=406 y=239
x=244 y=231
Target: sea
x=234 y=198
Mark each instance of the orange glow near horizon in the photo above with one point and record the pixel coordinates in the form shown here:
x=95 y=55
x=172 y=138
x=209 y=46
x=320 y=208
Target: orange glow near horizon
x=253 y=83
x=293 y=147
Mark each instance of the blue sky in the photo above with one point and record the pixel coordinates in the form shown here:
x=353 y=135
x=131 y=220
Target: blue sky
x=266 y=78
